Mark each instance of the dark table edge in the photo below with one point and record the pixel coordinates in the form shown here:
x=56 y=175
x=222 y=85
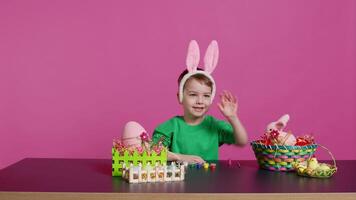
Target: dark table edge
x=170 y=196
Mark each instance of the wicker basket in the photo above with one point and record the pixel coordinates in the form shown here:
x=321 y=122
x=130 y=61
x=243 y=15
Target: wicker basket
x=318 y=173
x=281 y=158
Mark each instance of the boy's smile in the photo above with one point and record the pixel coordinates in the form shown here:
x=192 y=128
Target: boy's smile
x=196 y=100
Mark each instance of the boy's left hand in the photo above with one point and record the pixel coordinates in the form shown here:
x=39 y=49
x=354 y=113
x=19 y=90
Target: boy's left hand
x=228 y=104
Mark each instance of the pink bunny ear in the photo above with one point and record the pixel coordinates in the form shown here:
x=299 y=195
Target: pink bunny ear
x=193 y=56
x=279 y=126
x=282 y=122
x=211 y=57
x=284 y=119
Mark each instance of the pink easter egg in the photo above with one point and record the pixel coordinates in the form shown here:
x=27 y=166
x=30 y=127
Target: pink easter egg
x=131 y=134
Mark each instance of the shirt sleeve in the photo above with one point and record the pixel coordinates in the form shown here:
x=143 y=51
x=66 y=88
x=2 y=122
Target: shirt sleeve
x=226 y=132
x=163 y=132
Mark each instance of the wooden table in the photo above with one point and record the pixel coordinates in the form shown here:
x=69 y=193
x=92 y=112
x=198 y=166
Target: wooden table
x=36 y=178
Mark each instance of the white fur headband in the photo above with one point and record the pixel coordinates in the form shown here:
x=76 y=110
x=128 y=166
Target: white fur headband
x=210 y=62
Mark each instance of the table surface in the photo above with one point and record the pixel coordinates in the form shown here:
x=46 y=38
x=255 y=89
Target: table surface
x=94 y=176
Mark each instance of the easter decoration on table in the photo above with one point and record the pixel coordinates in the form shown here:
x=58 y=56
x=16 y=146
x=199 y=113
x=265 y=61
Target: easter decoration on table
x=206 y=166
x=279 y=150
x=136 y=147
x=151 y=174
x=138 y=160
x=276 y=134
x=282 y=151
x=312 y=168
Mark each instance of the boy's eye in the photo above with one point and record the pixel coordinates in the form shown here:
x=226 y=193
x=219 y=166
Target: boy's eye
x=192 y=94
x=207 y=95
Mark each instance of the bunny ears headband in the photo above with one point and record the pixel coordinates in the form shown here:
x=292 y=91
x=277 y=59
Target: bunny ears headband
x=210 y=62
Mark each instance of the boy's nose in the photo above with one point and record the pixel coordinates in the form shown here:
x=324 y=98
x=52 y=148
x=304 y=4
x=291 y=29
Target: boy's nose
x=200 y=100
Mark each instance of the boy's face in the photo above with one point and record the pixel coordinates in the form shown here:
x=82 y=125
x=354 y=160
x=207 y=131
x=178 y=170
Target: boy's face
x=196 y=98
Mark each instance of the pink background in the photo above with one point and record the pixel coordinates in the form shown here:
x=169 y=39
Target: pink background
x=72 y=73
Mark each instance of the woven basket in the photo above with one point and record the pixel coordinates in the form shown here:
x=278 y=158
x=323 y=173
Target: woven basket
x=281 y=158
x=319 y=173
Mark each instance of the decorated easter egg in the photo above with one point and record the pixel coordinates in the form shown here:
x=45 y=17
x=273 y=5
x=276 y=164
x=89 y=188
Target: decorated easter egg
x=131 y=134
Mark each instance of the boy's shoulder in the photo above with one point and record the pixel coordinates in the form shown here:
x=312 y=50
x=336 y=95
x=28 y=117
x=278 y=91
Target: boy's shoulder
x=212 y=119
x=170 y=122
x=216 y=122
x=179 y=121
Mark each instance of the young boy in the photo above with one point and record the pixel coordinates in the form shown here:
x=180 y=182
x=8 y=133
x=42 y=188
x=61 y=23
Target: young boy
x=195 y=136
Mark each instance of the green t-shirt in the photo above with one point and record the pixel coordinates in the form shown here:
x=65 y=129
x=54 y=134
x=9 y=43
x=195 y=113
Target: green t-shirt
x=202 y=140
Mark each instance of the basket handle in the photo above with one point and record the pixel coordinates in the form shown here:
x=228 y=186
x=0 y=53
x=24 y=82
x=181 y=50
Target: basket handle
x=332 y=156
